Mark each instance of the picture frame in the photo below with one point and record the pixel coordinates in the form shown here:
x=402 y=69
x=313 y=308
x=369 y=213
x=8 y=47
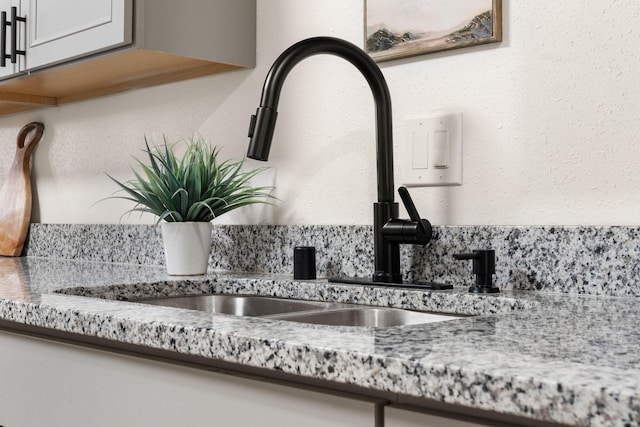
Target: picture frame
x=403 y=28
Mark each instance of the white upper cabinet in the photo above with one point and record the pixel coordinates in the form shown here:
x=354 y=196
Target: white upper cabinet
x=12 y=66
x=69 y=50
x=60 y=30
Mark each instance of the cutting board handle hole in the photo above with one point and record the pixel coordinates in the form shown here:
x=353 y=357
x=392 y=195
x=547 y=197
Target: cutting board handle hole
x=34 y=130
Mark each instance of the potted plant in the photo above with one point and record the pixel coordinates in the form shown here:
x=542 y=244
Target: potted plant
x=186 y=193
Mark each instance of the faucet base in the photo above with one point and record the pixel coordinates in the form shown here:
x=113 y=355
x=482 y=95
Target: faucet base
x=364 y=281
x=483 y=290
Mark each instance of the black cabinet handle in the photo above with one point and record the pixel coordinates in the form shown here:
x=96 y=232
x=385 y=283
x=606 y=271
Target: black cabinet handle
x=13 y=56
x=3 y=39
x=14 y=34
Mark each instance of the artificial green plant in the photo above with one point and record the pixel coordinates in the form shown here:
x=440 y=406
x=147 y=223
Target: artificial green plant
x=194 y=187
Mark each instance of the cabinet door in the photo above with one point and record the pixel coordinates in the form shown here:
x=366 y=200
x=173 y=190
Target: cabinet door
x=10 y=68
x=60 y=30
x=396 y=417
x=45 y=383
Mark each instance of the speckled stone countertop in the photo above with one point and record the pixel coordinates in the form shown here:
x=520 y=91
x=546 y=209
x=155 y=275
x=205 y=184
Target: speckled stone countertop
x=571 y=359
x=599 y=260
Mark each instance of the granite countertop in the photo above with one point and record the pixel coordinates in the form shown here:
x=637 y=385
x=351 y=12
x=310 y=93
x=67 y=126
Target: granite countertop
x=563 y=358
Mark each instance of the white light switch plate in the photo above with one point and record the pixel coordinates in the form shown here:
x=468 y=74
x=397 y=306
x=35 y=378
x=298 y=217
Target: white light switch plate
x=432 y=151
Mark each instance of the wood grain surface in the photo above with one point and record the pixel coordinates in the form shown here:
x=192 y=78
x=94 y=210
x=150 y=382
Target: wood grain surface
x=15 y=196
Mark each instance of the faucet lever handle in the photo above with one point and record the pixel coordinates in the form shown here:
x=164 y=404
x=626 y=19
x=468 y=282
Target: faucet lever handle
x=411 y=208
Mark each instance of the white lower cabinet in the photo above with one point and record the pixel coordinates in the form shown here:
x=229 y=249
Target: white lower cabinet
x=53 y=384
x=398 y=417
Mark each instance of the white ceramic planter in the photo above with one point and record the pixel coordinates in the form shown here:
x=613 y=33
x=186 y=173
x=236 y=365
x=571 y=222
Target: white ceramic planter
x=186 y=247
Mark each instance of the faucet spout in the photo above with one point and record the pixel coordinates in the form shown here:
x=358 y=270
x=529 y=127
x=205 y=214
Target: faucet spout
x=265 y=118
x=385 y=222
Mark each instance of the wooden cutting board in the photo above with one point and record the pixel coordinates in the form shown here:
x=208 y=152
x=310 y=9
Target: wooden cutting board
x=15 y=196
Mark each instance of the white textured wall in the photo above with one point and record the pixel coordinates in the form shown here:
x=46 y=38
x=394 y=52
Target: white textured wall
x=551 y=123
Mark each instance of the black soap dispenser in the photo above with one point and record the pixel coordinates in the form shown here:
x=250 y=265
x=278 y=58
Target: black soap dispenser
x=484 y=267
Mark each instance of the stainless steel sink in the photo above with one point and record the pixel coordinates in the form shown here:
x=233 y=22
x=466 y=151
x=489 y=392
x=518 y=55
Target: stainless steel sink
x=366 y=317
x=238 y=305
x=315 y=312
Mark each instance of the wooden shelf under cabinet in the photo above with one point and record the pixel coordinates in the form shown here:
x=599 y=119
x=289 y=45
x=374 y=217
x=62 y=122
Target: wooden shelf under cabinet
x=105 y=75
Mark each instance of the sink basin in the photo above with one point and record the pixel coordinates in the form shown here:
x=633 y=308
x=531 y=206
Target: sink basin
x=366 y=317
x=315 y=312
x=238 y=305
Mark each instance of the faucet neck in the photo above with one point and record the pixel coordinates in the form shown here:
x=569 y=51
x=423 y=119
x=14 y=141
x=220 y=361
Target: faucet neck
x=367 y=67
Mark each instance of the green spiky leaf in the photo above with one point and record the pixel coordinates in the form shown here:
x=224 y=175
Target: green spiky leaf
x=196 y=187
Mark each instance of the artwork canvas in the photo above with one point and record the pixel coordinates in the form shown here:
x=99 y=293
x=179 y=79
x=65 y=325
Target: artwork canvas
x=400 y=28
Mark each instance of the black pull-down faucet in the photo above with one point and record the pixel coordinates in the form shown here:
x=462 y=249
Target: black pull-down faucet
x=389 y=231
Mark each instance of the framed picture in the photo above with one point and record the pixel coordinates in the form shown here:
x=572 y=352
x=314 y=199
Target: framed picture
x=400 y=28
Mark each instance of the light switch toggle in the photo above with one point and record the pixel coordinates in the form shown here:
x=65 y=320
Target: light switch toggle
x=441 y=149
x=420 y=150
